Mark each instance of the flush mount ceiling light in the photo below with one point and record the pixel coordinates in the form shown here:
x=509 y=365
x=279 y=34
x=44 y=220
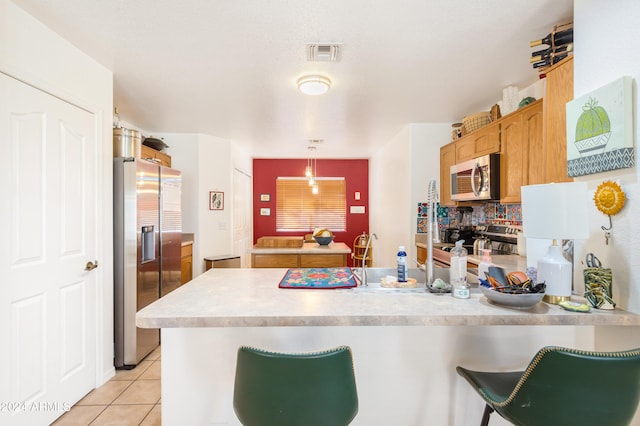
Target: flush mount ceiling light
x=313 y=84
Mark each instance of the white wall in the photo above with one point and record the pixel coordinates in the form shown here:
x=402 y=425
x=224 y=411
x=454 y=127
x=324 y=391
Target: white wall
x=398 y=177
x=207 y=164
x=604 y=38
x=390 y=198
x=31 y=52
x=426 y=140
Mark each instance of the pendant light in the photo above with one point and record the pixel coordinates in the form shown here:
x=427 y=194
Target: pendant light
x=308 y=172
x=311 y=170
x=314 y=187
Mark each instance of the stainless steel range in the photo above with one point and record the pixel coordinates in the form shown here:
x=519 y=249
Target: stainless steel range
x=504 y=238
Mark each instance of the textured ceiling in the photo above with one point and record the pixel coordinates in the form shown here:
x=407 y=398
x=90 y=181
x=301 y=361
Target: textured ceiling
x=228 y=68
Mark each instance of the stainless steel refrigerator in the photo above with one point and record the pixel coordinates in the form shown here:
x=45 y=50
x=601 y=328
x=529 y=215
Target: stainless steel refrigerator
x=147 y=245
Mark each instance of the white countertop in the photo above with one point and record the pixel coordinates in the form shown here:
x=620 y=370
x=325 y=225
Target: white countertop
x=307 y=248
x=251 y=298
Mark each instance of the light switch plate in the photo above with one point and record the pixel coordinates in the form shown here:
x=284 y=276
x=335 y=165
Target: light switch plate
x=357 y=210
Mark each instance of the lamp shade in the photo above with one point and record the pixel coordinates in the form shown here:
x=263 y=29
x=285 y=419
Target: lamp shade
x=555 y=211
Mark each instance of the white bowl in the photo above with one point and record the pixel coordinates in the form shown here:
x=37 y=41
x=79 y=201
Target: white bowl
x=525 y=300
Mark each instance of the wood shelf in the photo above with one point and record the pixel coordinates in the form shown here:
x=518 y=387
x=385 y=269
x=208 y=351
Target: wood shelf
x=359 y=247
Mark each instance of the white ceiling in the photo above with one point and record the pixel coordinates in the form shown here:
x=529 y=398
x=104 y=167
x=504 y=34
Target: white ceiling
x=228 y=68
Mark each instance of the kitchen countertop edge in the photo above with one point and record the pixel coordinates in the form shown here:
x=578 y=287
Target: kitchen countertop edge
x=251 y=298
x=307 y=248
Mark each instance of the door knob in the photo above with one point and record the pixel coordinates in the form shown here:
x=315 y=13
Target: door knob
x=91 y=265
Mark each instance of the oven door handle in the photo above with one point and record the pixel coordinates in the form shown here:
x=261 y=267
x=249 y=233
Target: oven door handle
x=476 y=167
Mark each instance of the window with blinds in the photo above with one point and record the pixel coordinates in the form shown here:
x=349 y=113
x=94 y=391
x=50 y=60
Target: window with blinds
x=297 y=209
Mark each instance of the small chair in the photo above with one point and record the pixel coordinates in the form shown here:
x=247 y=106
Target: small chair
x=563 y=387
x=278 y=389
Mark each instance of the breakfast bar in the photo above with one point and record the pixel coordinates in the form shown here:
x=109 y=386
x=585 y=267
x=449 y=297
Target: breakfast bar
x=406 y=343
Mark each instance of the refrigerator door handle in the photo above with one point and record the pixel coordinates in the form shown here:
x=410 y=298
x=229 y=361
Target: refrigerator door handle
x=91 y=265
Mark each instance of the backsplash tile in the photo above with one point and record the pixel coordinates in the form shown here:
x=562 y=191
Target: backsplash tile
x=489 y=213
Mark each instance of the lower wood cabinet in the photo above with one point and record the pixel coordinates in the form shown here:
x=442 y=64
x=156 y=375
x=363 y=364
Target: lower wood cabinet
x=186 y=261
x=421 y=255
x=323 y=261
x=274 y=260
x=298 y=260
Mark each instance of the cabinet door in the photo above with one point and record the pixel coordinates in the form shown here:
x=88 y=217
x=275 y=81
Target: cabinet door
x=148 y=153
x=559 y=92
x=447 y=159
x=322 y=260
x=513 y=165
x=186 y=262
x=522 y=159
x=532 y=126
x=164 y=159
x=464 y=148
x=421 y=254
x=486 y=140
x=274 y=260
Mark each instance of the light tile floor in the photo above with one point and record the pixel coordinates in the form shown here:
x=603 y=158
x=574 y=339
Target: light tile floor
x=132 y=397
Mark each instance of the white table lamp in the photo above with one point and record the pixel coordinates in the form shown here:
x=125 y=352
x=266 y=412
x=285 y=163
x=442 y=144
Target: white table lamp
x=556 y=211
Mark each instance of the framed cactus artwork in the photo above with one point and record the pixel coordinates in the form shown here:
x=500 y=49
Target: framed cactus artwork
x=600 y=130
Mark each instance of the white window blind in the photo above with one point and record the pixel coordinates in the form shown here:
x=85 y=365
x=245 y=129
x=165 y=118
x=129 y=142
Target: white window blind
x=297 y=209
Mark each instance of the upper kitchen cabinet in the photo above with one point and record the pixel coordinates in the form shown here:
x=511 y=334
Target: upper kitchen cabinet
x=483 y=141
x=559 y=91
x=522 y=154
x=151 y=154
x=447 y=159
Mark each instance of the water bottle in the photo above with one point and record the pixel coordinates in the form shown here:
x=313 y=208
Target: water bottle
x=458 y=271
x=402 y=265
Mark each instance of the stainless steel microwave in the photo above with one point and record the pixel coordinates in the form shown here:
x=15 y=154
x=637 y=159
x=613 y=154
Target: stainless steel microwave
x=477 y=179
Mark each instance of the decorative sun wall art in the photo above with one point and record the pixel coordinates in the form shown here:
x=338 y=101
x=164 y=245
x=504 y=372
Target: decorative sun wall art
x=600 y=130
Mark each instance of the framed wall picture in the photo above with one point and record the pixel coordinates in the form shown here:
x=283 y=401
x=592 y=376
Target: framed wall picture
x=600 y=130
x=265 y=197
x=216 y=200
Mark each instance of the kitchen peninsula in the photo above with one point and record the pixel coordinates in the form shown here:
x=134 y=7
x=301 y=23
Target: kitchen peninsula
x=405 y=344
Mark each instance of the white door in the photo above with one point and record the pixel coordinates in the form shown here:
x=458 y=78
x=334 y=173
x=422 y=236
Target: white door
x=48 y=228
x=242 y=220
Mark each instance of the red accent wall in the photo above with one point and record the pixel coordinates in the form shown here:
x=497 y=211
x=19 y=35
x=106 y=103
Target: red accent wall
x=266 y=171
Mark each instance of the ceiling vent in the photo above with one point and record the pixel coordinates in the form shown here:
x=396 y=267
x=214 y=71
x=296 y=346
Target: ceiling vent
x=324 y=52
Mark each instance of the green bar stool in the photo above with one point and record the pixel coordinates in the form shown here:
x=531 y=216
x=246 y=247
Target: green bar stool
x=563 y=386
x=316 y=388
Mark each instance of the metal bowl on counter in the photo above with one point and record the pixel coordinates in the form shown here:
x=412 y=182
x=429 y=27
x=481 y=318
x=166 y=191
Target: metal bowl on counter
x=323 y=241
x=513 y=300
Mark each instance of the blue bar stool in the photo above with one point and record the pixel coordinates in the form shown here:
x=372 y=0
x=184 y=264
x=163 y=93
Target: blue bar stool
x=563 y=387
x=316 y=388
